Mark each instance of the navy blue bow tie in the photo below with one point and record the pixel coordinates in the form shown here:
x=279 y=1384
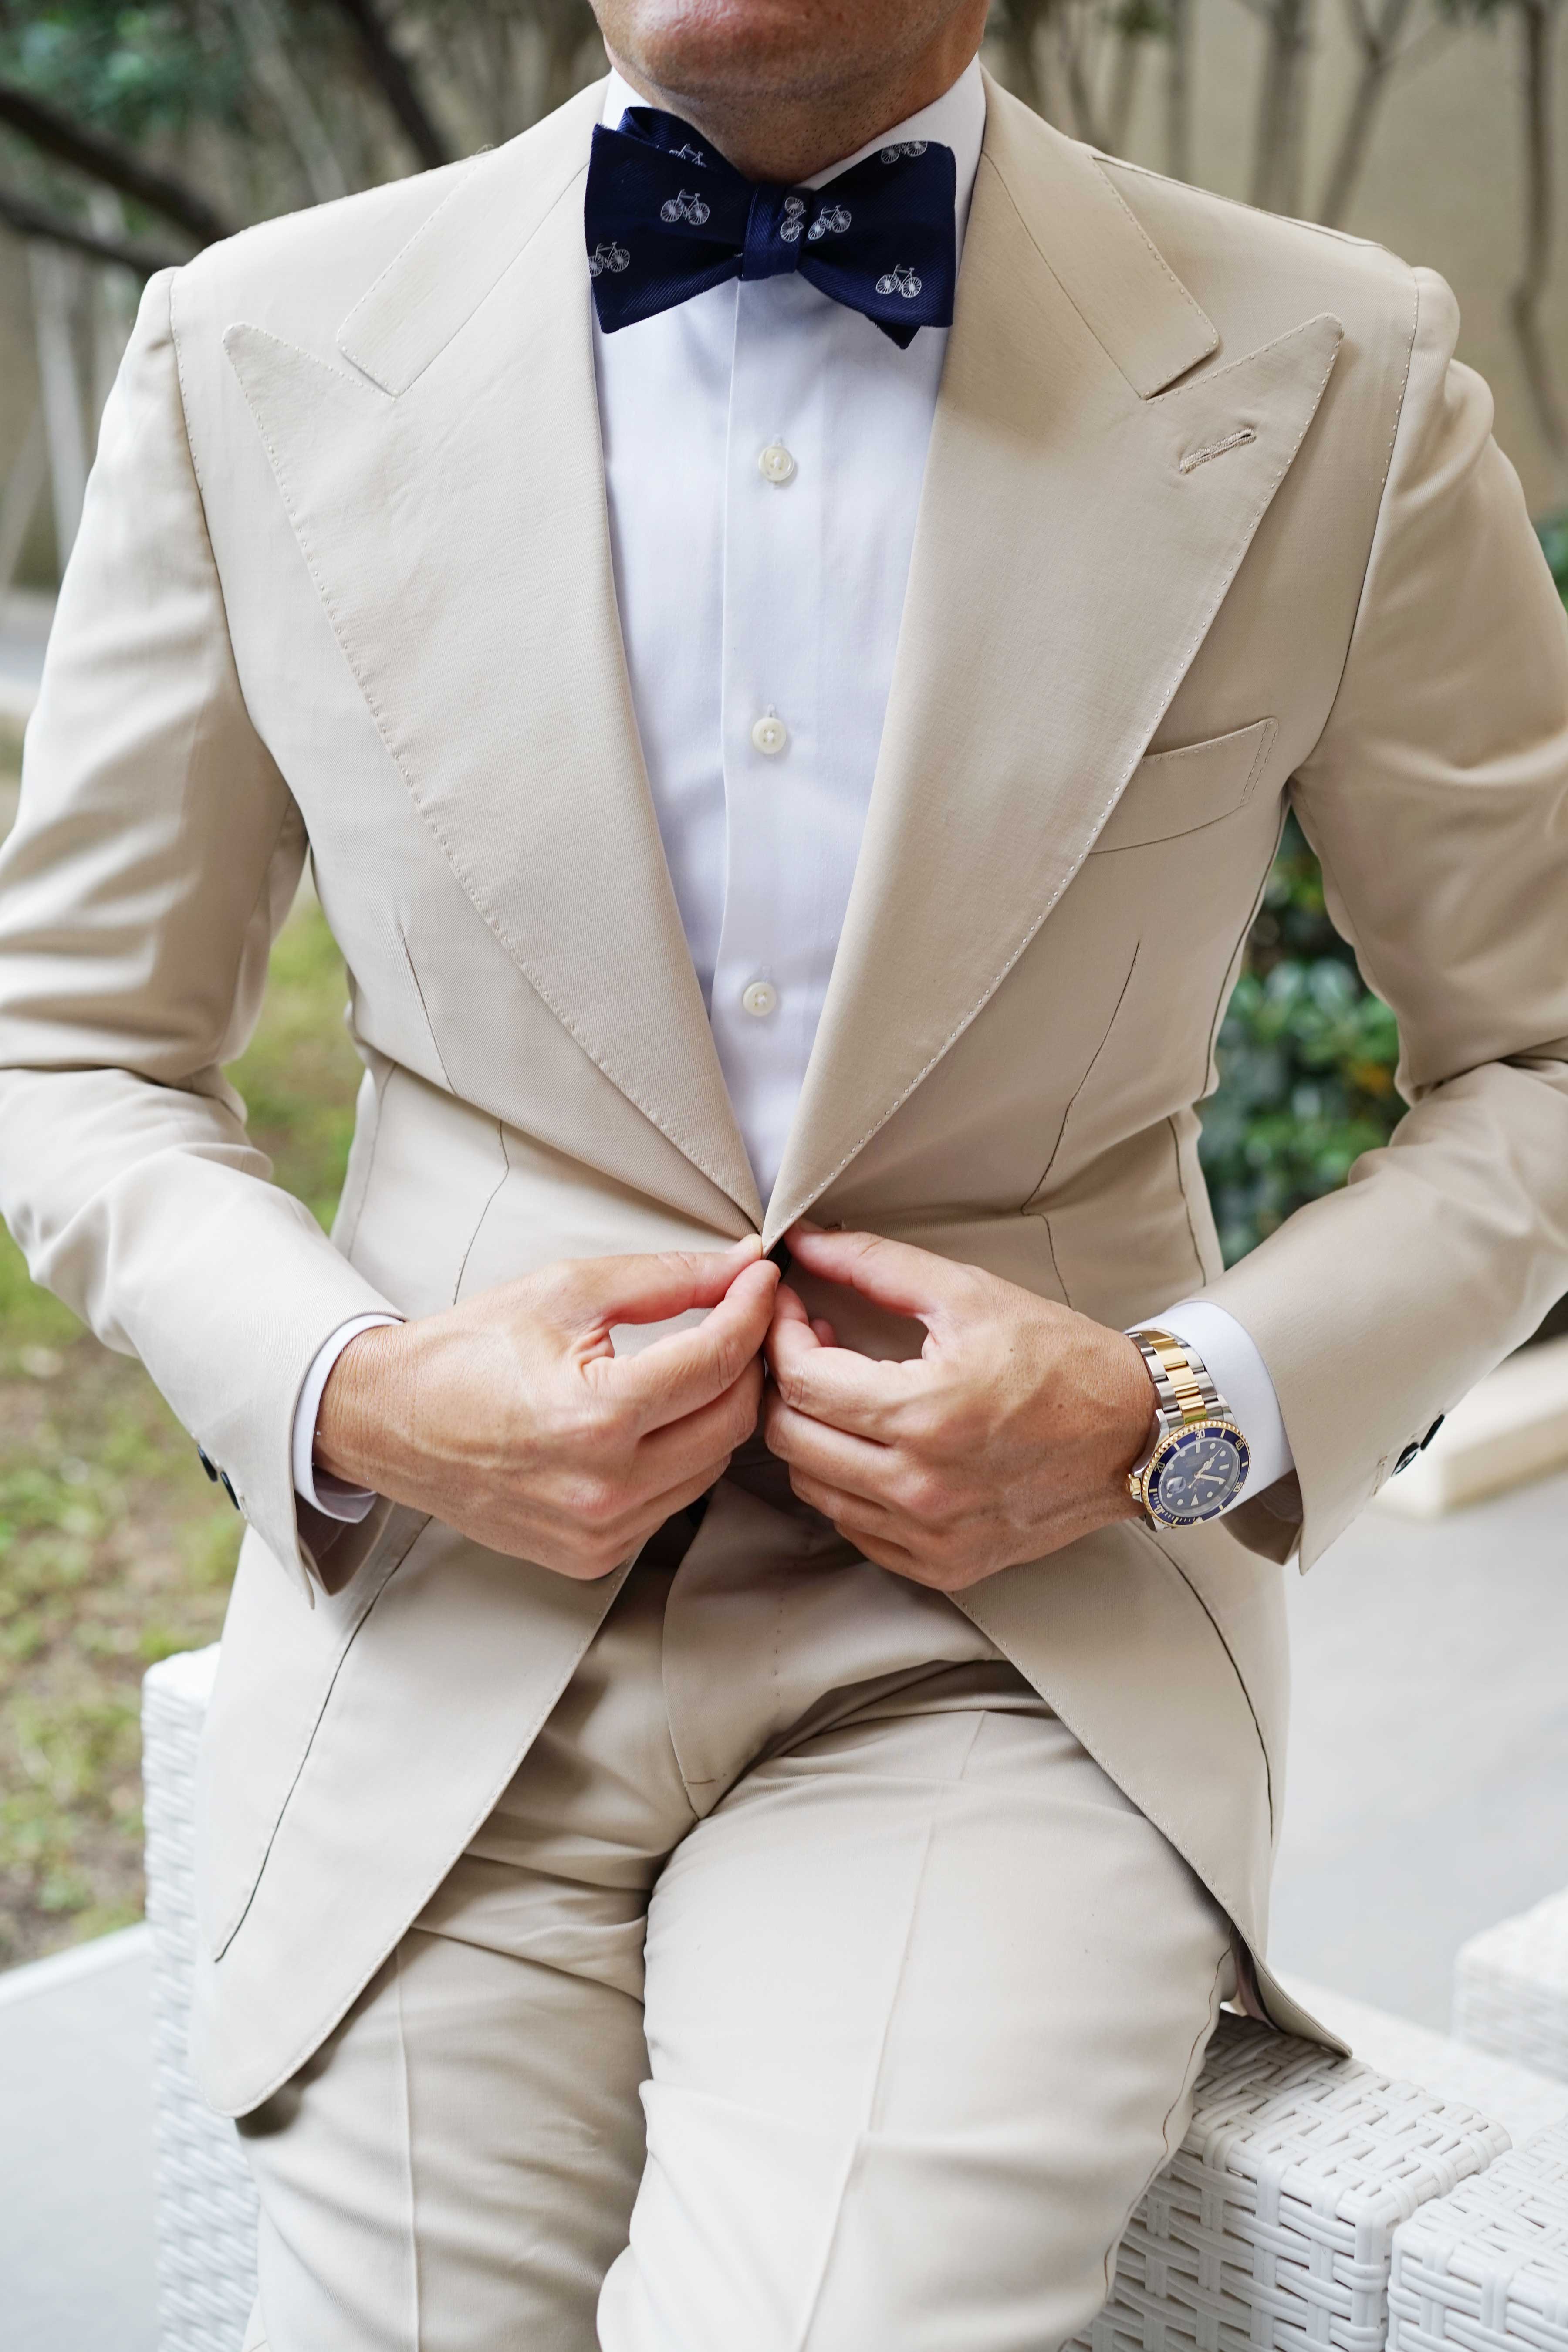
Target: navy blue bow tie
x=667 y=217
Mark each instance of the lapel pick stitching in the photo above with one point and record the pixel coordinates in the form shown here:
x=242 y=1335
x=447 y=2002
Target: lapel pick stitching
x=1196 y=458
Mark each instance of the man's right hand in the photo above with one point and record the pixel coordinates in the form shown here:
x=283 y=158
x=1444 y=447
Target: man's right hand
x=511 y=1418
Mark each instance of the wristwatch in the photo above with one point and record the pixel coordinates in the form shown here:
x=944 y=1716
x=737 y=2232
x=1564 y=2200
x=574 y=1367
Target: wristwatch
x=1199 y=1461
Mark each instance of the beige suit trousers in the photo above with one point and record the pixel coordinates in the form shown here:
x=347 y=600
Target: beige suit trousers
x=809 y=1990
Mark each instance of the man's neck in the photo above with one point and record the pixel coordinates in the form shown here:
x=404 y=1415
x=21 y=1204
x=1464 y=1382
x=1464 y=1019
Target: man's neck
x=786 y=136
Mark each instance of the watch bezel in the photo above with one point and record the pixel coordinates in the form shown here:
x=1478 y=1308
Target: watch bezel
x=1217 y=1424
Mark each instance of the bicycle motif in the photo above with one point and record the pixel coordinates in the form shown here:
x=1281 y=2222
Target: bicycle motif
x=899 y=279
x=901 y=148
x=613 y=257
x=833 y=222
x=687 y=154
x=684 y=206
x=794 y=219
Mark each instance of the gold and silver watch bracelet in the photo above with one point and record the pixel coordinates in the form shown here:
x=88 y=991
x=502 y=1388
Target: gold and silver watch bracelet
x=1183 y=1382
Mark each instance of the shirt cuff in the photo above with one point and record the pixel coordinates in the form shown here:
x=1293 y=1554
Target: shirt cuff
x=1241 y=1376
x=334 y=1497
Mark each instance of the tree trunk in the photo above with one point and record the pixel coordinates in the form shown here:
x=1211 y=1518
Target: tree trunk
x=1125 y=67
x=1068 y=21
x=298 y=116
x=1179 y=90
x=1281 y=114
x=1379 y=42
x=19 y=500
x=115 y=167
x=56 y=283
x=1020 y=45
x=1538 y=19
x=391 y=73
x=114 y=295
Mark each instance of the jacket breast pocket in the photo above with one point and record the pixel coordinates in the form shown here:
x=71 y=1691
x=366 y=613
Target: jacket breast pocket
x=1171 y=792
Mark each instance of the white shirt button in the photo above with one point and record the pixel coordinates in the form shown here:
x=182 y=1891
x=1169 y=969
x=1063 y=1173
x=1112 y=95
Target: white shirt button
x=770 y=734
x=775 y=465
x=760 y=999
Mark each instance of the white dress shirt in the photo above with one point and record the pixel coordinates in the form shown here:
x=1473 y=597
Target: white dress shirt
x=764 y=450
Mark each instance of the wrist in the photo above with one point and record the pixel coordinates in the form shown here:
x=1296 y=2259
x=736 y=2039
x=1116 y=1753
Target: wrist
x=1135 y=1405
x=363 y=1405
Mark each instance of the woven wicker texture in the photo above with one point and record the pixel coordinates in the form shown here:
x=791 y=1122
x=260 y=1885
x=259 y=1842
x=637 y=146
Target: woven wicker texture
x=207 y=2205
x=1272 y=2229
x=1510 y=1989
x=1487 y=2267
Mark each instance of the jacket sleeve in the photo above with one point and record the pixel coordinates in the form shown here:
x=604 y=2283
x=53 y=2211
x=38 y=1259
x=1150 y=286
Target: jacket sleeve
x=155 y=853
x=1436 y=798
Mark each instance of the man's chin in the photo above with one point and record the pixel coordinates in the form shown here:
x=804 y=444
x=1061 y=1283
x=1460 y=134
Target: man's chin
x=729 y=51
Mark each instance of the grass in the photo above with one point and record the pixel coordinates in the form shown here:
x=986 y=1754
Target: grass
x=114 y=1549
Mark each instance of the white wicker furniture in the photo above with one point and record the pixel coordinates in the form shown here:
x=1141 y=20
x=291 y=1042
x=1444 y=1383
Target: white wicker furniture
x=207 y=2205
x=1270 y=2231
x=1486 y=2269
x=1273 y=2225
x=1510 y=1989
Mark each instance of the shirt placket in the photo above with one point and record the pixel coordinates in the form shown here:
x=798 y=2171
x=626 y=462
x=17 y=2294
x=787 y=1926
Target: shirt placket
x=769 y=978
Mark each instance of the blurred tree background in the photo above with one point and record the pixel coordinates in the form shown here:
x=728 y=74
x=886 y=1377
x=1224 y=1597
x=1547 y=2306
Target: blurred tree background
x=131 y=135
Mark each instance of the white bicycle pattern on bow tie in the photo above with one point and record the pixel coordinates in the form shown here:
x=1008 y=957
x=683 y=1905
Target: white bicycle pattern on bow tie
x=684 y=206
x=831 y=222
x=794 y=219
x=902 y=147
x=613 y=257
x=899 y=279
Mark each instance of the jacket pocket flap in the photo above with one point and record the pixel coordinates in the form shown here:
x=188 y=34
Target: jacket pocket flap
x=1171 y=792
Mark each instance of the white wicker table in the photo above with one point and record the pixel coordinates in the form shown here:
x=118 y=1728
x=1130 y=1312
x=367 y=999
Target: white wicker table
x=1272 y=2229
x=1273 y=2225
x=1486 y=2269
x=1510 y=1989
x=206 y=2203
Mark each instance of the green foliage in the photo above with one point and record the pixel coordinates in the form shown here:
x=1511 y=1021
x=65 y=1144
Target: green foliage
x=1554 y=536
x=1307 y=1057
x=300 y=1073
x=136 y=73
x=1306 y=1054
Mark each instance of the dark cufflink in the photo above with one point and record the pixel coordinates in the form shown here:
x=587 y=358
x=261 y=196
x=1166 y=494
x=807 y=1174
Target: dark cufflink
x=1432 y=1433
x=1406 y=1458
x=223 y=1480
x=204 y=1458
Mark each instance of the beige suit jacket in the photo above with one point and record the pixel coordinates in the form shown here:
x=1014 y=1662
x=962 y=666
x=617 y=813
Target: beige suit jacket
x=1211 y=524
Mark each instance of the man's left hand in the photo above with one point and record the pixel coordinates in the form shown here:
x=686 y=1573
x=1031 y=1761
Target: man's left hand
x=1011 y=1433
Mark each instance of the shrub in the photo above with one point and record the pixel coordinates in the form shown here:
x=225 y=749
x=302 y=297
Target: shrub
x=1306 y=1054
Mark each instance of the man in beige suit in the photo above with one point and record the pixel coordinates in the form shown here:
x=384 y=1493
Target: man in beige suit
x=685 y=1868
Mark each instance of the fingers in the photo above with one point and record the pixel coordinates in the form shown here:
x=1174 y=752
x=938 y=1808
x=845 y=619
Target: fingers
x=894 y=1275
x=834 y=1385
x=687 y=1369
x=590 y=1294
x=836 y=1456
x=852 y=1514
x=703 y=1441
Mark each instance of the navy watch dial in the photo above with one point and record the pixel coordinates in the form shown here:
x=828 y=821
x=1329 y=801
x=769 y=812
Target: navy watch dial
x=1202 y=1471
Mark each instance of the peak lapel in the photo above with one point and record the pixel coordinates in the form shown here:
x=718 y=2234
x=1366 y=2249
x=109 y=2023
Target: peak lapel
x=447 y=492
x=1080 y=526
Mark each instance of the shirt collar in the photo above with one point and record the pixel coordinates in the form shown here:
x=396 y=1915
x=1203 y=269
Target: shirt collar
x=957 y=119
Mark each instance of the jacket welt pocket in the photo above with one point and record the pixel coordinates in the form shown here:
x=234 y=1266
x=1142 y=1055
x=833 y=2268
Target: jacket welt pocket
x=1172 y=792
